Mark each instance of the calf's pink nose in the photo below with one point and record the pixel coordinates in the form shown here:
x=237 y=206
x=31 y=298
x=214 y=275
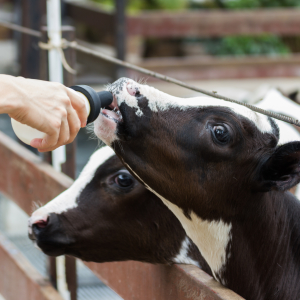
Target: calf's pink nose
x=40 y=220
x=131 y=89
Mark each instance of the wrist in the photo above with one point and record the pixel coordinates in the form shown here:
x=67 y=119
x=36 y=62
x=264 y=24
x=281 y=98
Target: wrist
x=11 y=94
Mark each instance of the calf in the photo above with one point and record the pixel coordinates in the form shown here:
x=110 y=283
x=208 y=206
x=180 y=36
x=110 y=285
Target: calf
x=219 y=169
x=107 y=215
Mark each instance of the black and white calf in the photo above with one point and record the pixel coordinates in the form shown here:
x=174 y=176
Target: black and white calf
x=107 y=215
x=218 y=167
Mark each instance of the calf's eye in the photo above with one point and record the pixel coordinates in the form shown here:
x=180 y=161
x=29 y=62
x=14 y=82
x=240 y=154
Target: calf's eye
x=221 y=134
x=124 y=180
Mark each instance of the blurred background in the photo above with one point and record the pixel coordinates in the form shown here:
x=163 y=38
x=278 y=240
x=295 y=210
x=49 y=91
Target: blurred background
x=238 y=48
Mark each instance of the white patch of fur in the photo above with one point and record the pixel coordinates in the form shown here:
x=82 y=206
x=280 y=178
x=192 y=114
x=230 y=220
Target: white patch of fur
x=105 y=129
x=276 y=102
x=182 y=257
x=211 y=237
x=159 y=101
x=287 y=132
x=67 y=199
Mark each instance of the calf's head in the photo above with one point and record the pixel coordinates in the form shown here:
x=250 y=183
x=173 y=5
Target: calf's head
x=197 y=152
x=209 y=161
x=107 y=215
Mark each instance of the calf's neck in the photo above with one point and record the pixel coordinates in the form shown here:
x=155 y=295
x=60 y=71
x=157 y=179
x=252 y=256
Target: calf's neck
x=107 y=215
x=218 y=167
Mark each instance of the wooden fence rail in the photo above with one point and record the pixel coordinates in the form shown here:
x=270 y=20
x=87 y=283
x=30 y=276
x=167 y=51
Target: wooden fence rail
x=19 y=279
x=200 y=23
x=26 y=179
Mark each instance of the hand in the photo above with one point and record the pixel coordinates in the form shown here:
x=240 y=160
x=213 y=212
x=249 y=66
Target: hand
x=47 y=106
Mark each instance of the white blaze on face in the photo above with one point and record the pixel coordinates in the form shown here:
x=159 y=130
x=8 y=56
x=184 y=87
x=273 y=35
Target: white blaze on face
x=67 y=199
x=159 y=101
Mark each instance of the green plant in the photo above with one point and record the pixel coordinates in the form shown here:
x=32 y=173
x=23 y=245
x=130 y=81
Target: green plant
x=247 y=45
x=136 y=5
x=260 y=3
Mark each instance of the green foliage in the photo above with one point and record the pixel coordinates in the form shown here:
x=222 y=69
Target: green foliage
x=171 y=4
x=247 y=45
x=137 y=5
x=261 y=3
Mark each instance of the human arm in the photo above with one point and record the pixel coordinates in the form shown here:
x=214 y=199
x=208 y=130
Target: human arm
x=47 y=106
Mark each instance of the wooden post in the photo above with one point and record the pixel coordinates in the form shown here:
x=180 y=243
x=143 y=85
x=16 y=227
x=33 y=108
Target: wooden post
x=32 y=14
x=120 y=35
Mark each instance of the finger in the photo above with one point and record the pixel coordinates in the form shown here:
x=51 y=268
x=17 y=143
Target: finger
x=74 y=124
x=62 y=139
x=64 y=134
x=52 y=142
x=49 y=140
x=79 y=105
x=36 y=143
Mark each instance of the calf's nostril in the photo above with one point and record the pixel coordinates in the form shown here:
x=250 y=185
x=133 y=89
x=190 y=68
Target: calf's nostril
x=41 y=223
x=131 y=89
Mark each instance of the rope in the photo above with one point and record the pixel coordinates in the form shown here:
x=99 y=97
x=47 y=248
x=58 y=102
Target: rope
x=116 y=61
x=63 y=45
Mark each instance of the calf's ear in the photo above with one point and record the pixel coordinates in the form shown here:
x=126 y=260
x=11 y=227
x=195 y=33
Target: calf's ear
x=282 y=170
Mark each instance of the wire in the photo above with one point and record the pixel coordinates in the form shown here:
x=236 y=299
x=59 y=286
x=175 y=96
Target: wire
x=20 y=29
x=153 y=74
x=181 y=83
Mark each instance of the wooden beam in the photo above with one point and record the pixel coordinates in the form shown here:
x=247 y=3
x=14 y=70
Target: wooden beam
x=207 y=68
x=215 y=23
x=192 y=23
x=19 y=279
x=135 y=280
x=27 y=179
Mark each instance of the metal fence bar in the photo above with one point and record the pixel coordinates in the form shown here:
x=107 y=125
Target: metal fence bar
x=69 y=167
x=20 y=28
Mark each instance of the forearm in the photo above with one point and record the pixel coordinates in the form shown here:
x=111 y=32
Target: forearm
x=11 y=95
x=49 y=107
